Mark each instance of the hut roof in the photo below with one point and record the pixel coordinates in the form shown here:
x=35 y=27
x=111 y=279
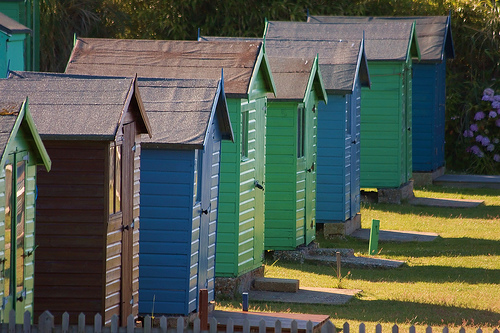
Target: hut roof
x=384 y=41
x=433 y=32
x=340 y=61
x=73 y=107
x=169 y=59
x=12 y=115
x=180 y=111
x=10 y=26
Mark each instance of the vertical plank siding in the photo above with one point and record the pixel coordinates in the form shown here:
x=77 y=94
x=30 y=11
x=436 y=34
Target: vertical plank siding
x=69 y=274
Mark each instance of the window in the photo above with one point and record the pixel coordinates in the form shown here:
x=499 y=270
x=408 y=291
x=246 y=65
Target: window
x=115 y=186
x=244 y=135
x=197 y=185
x=301 y=128
x=15 y=192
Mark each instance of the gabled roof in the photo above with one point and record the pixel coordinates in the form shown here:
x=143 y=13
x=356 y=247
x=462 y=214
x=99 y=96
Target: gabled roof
x=181 y=111
x=433 y=32
x=341 y=62
x=172 y=59
x=76 y=107
x=10 y=26
x=13 y=116
x=384 y=41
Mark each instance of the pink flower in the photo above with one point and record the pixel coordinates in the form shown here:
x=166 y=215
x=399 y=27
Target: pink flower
x=473 y=127
x=479 y=115
x=496 y=158
x=492 y=114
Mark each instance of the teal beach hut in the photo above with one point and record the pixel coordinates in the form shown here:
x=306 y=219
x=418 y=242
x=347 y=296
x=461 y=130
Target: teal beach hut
x=429 y=89
x=248 y=80
x=26 y=13
x=21 y=152
x=13 y=36
x=386 y=155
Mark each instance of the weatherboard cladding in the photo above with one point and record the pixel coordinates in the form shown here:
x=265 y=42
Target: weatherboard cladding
x=167 y=59
x=11 y=26
x=433 y=32
x=82 y=109
x=383 y=41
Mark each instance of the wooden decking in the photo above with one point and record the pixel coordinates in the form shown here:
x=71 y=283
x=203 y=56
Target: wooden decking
x=270 y=319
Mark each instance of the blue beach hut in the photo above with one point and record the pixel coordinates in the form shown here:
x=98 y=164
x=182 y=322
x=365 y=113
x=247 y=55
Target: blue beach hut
x=180 y=169
x=13 y=37
x=429 y=89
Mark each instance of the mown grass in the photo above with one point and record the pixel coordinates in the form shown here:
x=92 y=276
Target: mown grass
x=453 y=280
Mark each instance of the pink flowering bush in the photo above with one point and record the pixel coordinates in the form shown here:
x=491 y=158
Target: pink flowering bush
x=483 y=135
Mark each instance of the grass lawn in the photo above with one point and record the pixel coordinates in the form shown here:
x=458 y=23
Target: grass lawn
x=453 y=281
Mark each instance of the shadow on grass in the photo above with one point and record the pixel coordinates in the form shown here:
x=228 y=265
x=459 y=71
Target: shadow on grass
x=450 y=247
x=389 y=311
x=480 y=212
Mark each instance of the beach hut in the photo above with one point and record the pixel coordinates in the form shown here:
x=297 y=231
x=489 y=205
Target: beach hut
x=12 y=45
x=180 y=167
x=21 y=151
x=429 y=89
x=291 y=145
x=386 y=107
x=248 y=80
x=27 y=13
x=87 y=218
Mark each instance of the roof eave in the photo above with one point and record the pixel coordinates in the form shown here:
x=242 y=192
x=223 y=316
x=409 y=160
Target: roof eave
x=316 y=81
x=262 y=63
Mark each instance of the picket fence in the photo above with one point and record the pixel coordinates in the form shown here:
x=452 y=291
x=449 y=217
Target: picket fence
x=46 y=325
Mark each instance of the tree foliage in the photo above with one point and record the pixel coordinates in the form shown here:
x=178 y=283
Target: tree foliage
x=475 y=26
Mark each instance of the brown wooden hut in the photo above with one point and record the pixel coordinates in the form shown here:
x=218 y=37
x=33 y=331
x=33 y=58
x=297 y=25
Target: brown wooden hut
x=88 y=205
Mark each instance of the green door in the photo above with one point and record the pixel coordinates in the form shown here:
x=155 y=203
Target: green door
x=310 y=154
x=15 y=208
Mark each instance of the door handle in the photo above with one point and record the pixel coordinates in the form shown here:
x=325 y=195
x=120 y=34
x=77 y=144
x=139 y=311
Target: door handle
x=259 y=186
x=311 y=169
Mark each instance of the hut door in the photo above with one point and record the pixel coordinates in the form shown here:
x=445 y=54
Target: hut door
x=13 y=262
x=128 y=220
x=308 y=126
x=408 y=123
x=260 y=144
x=352 y=110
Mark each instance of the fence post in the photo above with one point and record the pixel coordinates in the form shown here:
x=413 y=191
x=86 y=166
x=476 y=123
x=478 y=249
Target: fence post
x=461 y=330
x=294 y=328
x=378 y=328
x=196 y=325
x=180 y=325
x=230 y=326
x=213 y=325
x=277 y=326
x=163 y=324
x=12 y=321
x=81 y=323
x=45 y=322
x=309 y=327
x=412 y=329
x=395 y=329
x=114 y=324
x=362 y=328
x=445 y=329
x=246 y=326
x=262 y=326
x=203 y=311
x=97 y=323
x=346 y=327
x=428 y=329
x=65 y=322
x=147 y=324
x=27 y=322
x=130 y=324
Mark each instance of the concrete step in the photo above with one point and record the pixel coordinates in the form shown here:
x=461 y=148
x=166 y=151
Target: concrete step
x=468 y=181
x=275 y=284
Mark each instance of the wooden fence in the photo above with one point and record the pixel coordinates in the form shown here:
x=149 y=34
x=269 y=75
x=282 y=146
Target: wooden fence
x=46 y=325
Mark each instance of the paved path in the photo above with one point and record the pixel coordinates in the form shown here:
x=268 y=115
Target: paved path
x=355 y=262
x=397 y=236
x=468 y=181
x=306 y=295
x=448 y=203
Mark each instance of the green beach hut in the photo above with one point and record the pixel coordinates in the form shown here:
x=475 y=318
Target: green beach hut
x=248 y=80
x=21 y=151
x=386 y=117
